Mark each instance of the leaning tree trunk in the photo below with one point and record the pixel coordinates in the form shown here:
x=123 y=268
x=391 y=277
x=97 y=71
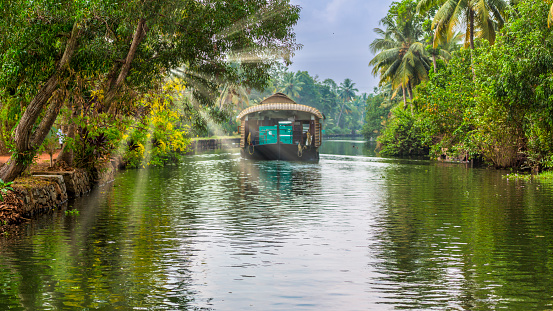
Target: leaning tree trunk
x=115 y=79
x=113 y=88
x=434 y=62
x=26 y=142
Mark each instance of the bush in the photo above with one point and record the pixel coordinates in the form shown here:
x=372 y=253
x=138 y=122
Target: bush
x=160 y=137
x=403 y=136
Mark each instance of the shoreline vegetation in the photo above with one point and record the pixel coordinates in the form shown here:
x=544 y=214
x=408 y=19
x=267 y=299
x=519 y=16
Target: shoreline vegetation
x=463 y=80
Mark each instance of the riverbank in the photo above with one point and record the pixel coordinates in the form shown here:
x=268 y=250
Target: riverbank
x=44 y=188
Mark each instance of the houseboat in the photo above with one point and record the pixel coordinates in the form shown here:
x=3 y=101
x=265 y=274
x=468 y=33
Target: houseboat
x=280 y=129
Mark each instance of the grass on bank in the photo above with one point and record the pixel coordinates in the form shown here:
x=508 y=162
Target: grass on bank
x=544 y=176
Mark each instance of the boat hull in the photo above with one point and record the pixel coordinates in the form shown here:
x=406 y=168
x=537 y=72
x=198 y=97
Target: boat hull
x=284 y=152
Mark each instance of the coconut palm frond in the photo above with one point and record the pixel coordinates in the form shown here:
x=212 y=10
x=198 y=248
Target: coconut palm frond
x=391 y=70
x=497 y=13
x=425 y=5
x=488 y=18
x=384 y=55
x=381 y=44
x=445 y=55
x=444 y=14
x=550 y=16
x=482 y=19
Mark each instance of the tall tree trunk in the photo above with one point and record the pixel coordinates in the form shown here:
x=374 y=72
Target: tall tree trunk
x=404 y=96
x=434 y=48
x=410 y=91
x=471 y=28
x=139 y=35
x=471 y=38
x=340 y=115
x=27 y=143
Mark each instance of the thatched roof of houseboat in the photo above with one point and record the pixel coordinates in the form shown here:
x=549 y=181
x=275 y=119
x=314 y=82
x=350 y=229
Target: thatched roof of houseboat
x=279 y=101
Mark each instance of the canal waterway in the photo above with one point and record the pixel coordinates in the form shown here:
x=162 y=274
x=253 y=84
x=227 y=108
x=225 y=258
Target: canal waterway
x=353 y=232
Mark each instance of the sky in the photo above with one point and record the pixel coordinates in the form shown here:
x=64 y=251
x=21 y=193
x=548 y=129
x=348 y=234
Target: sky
x=336 y=35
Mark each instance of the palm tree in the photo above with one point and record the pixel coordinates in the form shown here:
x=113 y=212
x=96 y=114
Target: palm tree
x=447 y=45
x=332 y=86
x=388 y=95
x=481 y=17
x=346 y=92
x=402 y=60
x=234 y=95
x=291 y=86
x=329 y=98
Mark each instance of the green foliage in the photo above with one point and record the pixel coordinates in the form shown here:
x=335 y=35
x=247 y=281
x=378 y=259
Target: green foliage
x=291 y=86
x=515 y=91
x=493 y=102
x=446 y=104
x=401 y=59
x=95 y=141
x=377 y=111
x=72 y=212
x=404 y=15
x=403 y=136
x=481 y=17
x=161 y=136
x=4 y=187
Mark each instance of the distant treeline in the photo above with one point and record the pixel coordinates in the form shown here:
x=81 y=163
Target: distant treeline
x=343 y=108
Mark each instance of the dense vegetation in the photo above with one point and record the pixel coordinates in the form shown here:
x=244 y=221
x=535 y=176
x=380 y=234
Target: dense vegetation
x=343 y=108
x=491 y=99
x=132 y=77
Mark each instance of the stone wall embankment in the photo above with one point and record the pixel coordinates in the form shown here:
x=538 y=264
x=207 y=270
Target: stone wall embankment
x=46 y=190
x=77 y=182
x=40 y=193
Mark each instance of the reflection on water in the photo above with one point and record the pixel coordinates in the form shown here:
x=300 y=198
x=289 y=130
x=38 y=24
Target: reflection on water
x=354 y=232
x=349 y=147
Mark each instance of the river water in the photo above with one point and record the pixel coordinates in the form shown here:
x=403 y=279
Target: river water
x=354 y=232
